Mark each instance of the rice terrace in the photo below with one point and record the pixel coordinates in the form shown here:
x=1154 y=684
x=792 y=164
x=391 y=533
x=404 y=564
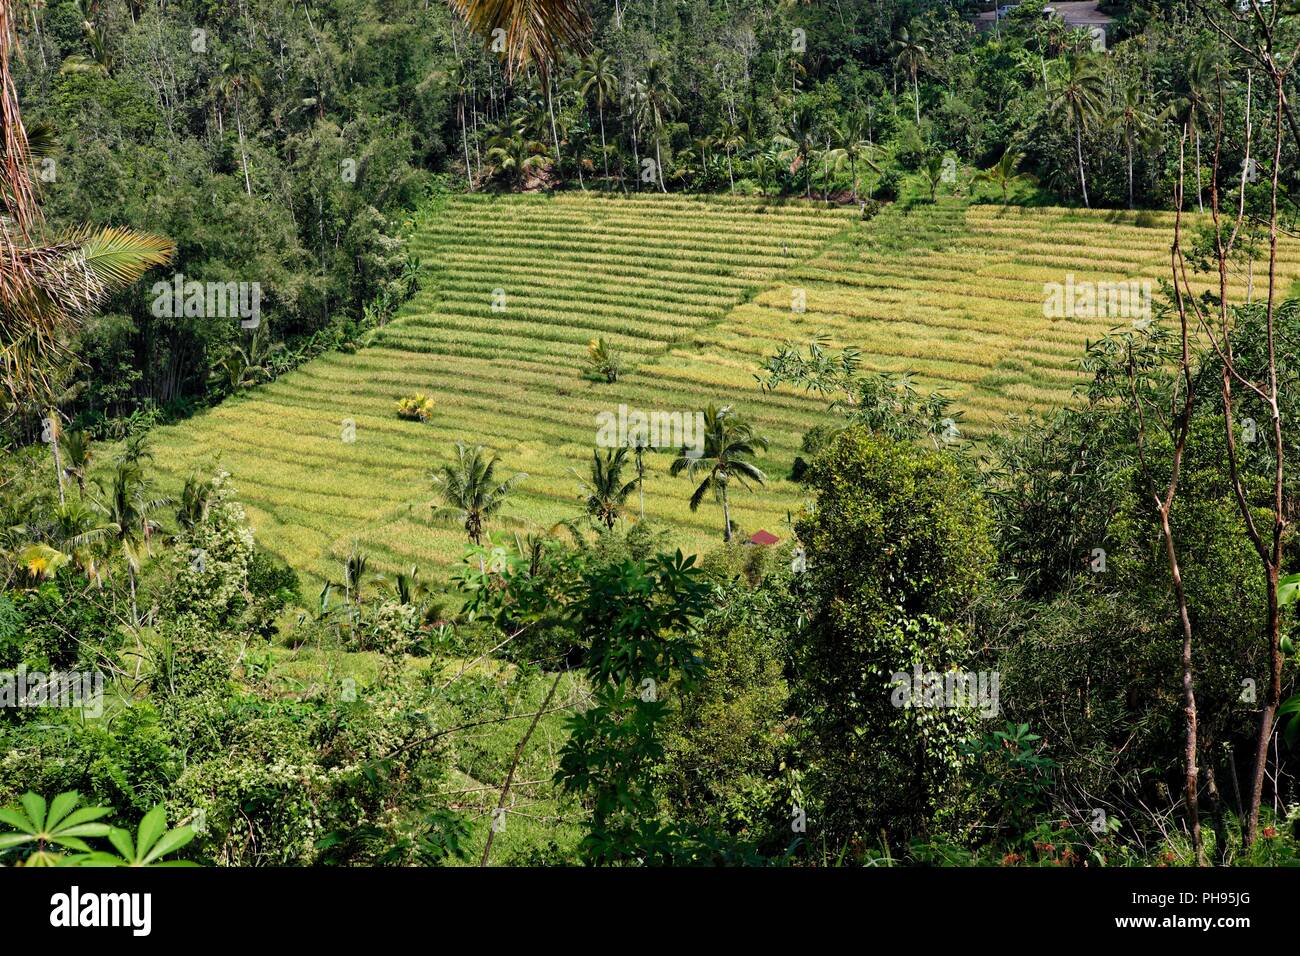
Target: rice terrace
x=696 y=293
x=552 y=434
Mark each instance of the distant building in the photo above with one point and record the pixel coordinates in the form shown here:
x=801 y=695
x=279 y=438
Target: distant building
x=763 y=537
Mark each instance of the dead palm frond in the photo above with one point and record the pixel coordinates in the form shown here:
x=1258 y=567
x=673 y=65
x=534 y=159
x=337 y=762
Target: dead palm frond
x=532 y=31
x=48 y=285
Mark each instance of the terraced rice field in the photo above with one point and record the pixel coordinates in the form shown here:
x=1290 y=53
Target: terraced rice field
x=694 y=293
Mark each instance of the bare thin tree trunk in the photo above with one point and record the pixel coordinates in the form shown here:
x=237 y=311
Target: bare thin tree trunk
x=1266 y=392
x=604 y=152
x=514 y=765
x=1180 y=431
x=1078 y=146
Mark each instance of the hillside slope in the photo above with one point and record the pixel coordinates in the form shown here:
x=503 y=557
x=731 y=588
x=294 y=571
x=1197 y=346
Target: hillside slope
x=694 y=292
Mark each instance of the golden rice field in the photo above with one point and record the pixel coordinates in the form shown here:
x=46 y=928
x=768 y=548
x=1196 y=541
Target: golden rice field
x=694 y=293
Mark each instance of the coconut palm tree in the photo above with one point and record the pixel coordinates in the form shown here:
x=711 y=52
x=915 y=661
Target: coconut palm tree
x=910 y=55
x=1004 y=173
x=729 y=444
x=731 y=137
x=469 y=490
x=605 y=493
x=126 y=507
x=705 y=144
x=459 y=81
x=574 y=133
x=851 y=146
x=654 y=105
x=135 y=450
x=237 y=79
x=639 y=448
x=406 y=586
x=596 y=77
x=355 y=571
x=49 y=286
x=39 y=562
x=195 y=501
x=72 y=523
x=1136 y=124
x=1195 y=101
x=514 y=154
x=242 y=368
x=933 y=172
x=799 y=139
x=1077 y=103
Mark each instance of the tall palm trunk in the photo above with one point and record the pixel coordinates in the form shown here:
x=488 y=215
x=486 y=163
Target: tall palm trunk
x=826 y=174
x=636 y=158
x=916 y=93
x=464 y=140
x=1200 y=201
x=135 y=607
x=55 y=450
x=726 y=515
x=555 y=136
x=659 y=162
x=243 y=151
x=1078 y=147
x=1129 y=147
x=604 y=153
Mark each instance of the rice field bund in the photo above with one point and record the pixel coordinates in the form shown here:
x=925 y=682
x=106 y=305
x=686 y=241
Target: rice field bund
x=693 y=293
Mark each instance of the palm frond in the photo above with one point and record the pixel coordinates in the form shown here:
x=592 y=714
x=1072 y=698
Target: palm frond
x=118 y=257
x=535 y=32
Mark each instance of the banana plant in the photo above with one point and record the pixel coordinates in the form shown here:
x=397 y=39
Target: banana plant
x=59 y=824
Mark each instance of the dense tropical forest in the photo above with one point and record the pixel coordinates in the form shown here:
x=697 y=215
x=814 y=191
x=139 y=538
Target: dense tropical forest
x=649 y=432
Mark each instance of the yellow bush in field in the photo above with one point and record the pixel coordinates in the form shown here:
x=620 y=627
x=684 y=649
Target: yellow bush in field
x=417 y=408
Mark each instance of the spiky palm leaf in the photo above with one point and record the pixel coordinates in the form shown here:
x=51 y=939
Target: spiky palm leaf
x=1005 y=172
x=77 y=454
x=196 y=499
x=605 y=492
x=52 y=287
x=469 y=489
x=729 y=444
x=127 y=508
